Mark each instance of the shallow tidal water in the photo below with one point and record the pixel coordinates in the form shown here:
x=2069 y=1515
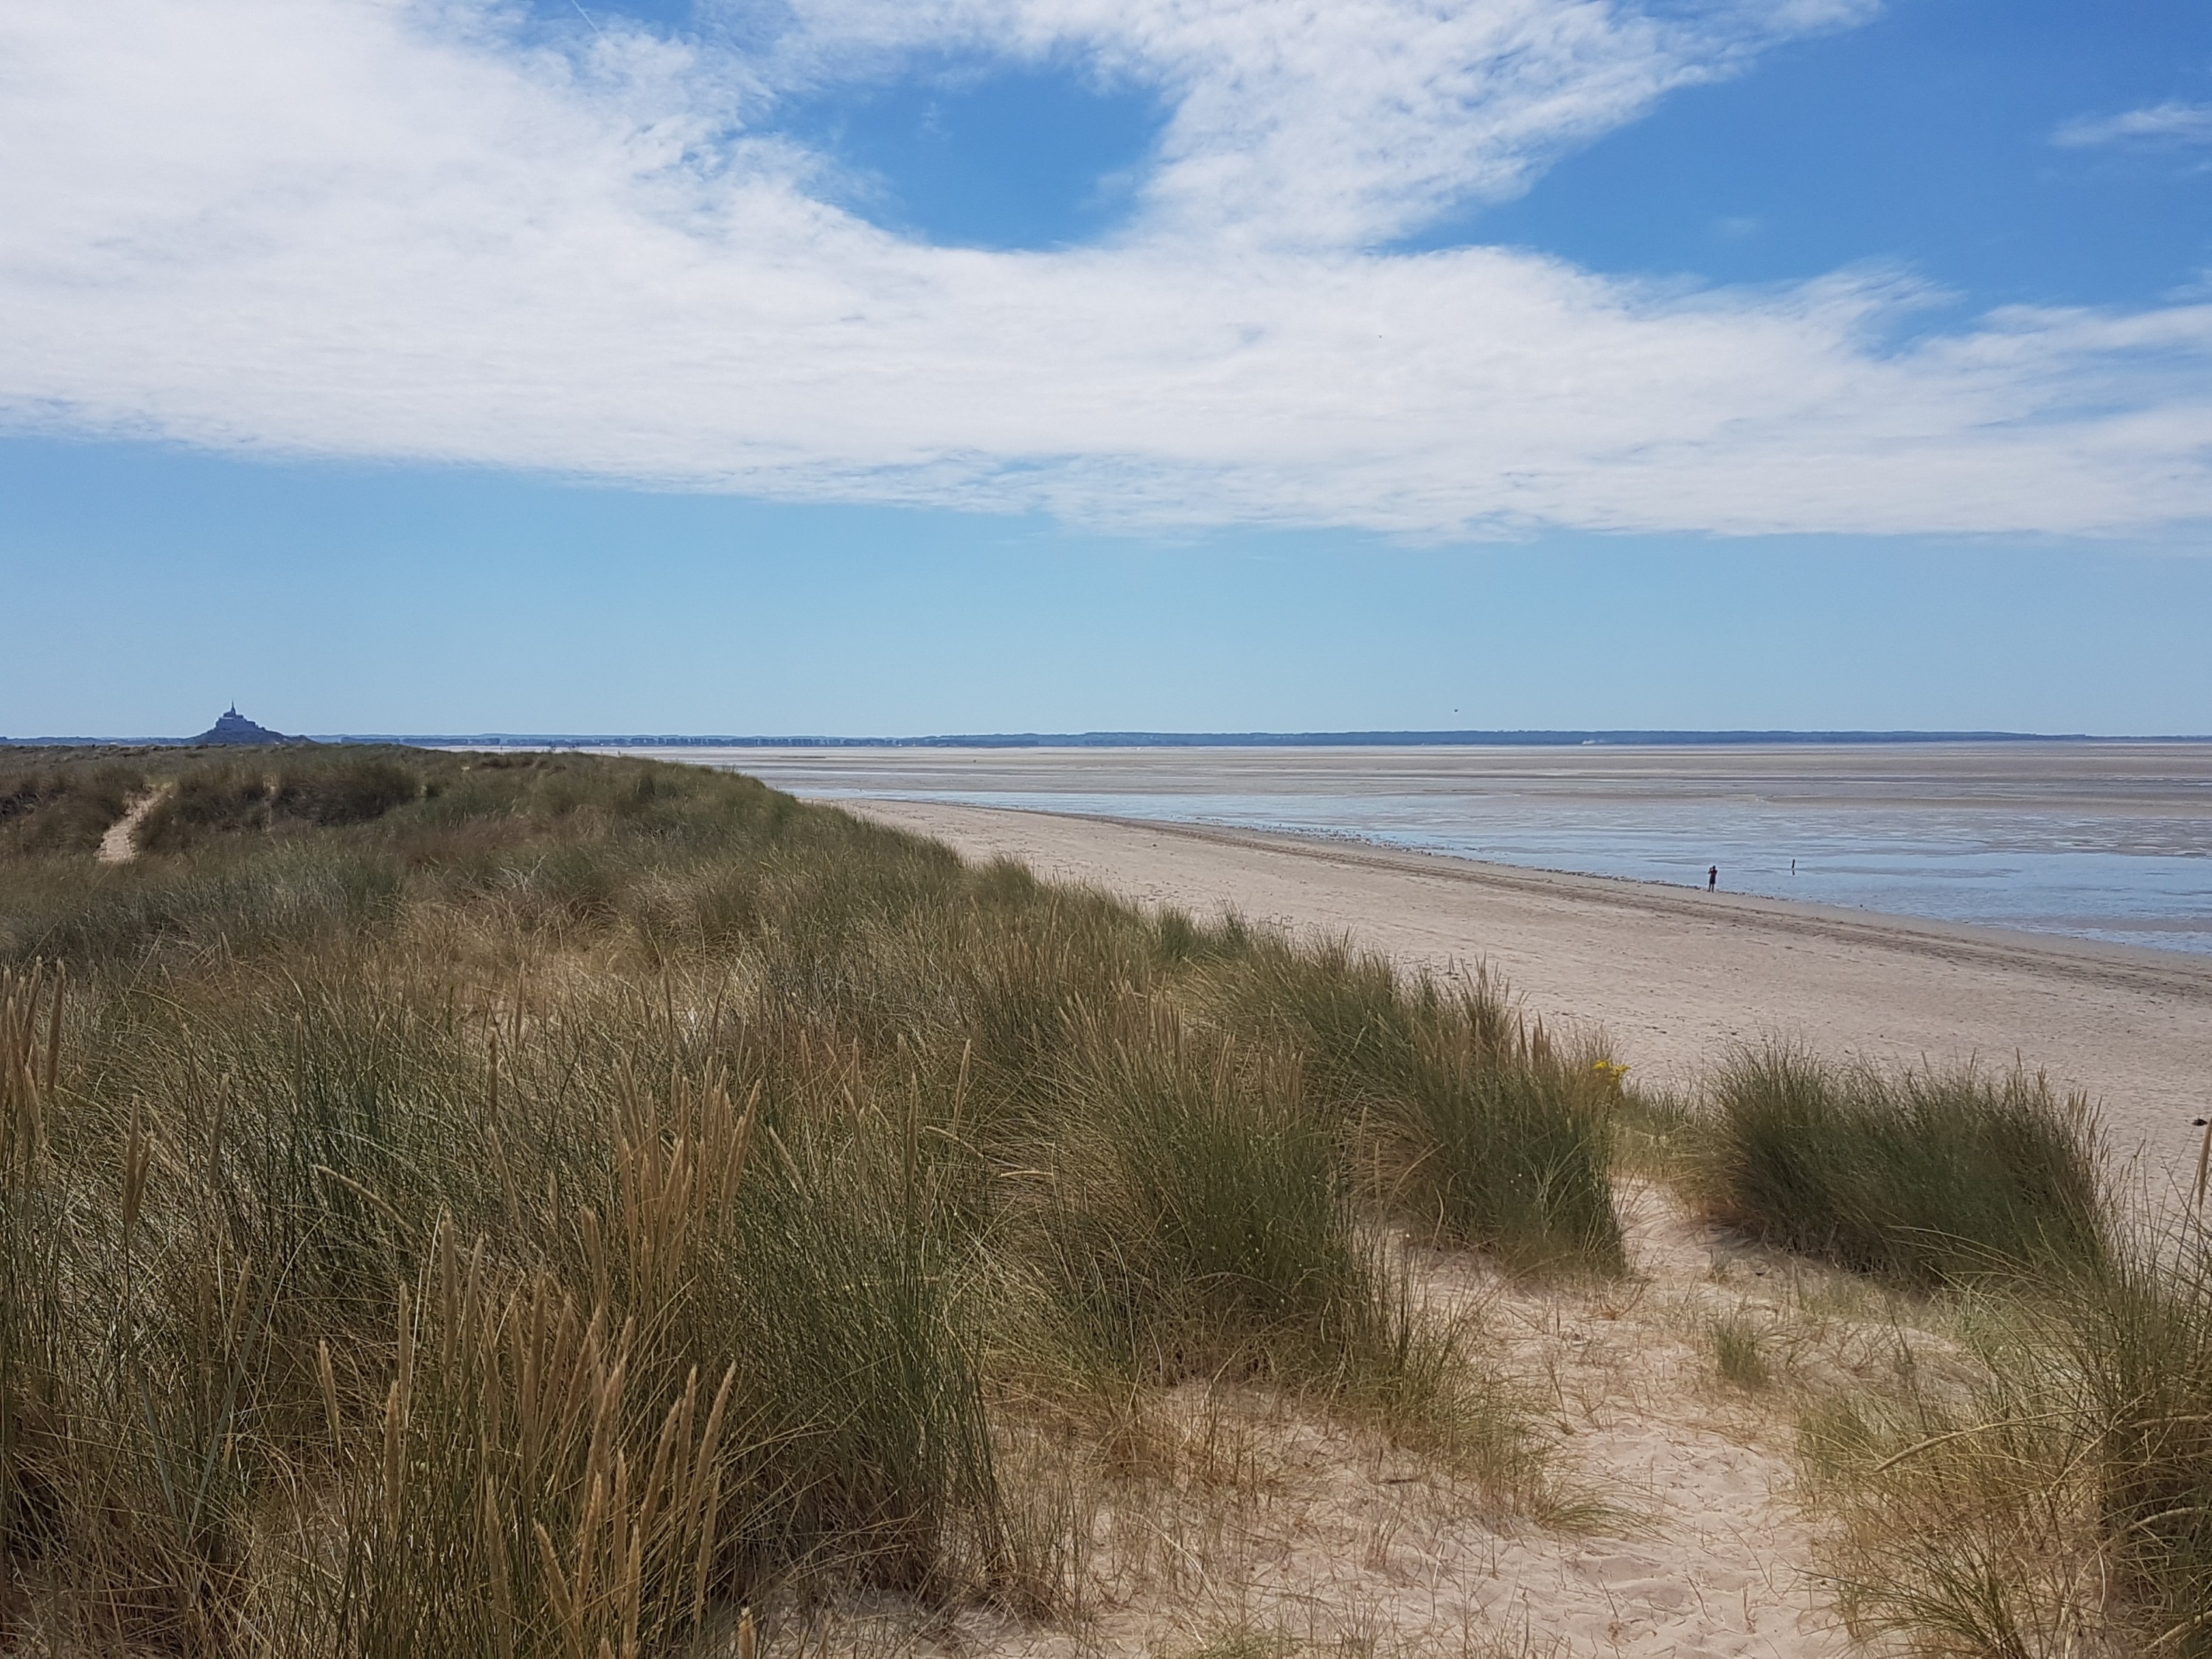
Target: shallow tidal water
x=2100 y=841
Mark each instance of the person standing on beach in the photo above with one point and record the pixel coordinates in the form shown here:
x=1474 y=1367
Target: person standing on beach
x=1713 y=880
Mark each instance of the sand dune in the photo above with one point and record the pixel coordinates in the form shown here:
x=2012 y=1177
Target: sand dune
x=1674 y=976
x=1269 y=1529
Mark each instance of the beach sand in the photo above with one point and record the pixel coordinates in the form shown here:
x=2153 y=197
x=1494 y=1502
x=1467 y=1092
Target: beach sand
x=1263 y=1526
x=1673 y=977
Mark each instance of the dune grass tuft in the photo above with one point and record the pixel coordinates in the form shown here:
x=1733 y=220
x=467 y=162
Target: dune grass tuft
x=2142 y=1340
x=1477 y=1129
x=2036 y=1478
x=1925 y=1177
x=1195 y=1212
x=2055 y=1499
x=301 y=788
x=64 y=808
x=1740 y=1351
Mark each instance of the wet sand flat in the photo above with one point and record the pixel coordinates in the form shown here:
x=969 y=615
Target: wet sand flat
x=2109 y=841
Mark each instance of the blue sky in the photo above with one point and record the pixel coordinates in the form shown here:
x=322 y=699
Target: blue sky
x=848 y=366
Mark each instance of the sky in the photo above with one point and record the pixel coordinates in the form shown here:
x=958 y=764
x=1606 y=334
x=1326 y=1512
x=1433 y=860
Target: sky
x=909 y=366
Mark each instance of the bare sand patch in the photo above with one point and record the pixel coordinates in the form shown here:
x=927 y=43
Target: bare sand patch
x=1255 y=1527
x=120 y=843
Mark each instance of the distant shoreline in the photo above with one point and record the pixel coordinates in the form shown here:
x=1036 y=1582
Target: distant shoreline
x=1655 y=739
x=1844 y=924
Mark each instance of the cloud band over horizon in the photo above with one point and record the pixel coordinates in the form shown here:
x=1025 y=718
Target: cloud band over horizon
x=441 y=232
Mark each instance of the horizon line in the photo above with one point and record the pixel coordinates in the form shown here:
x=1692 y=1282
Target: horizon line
x=1500 y=738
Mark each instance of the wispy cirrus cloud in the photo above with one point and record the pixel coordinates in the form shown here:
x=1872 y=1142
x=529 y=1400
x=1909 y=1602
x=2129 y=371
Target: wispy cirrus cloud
x=2169 y=123
x=400 y=228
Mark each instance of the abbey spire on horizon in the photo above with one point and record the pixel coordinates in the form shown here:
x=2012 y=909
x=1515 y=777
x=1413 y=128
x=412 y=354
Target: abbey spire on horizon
x=232 y=727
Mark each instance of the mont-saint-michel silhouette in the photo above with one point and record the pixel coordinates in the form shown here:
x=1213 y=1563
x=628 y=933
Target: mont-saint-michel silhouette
x=234 y=727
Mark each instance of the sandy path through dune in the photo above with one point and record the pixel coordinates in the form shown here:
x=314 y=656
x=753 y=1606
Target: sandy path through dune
x=1256 y=1526
x=119 y=844
x=1673 y=975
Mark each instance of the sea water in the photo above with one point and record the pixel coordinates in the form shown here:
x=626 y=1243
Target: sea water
x=2108 y=841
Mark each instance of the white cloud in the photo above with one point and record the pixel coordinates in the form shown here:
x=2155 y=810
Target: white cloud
x=2170 y=122
x=1348 y=122
x=368 y=228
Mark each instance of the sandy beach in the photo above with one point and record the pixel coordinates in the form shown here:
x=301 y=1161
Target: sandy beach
x=1674 y=976
x=2110 y=842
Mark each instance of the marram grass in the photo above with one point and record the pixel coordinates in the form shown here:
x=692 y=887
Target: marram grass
x=539 y=1205
x=1926 y=1177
